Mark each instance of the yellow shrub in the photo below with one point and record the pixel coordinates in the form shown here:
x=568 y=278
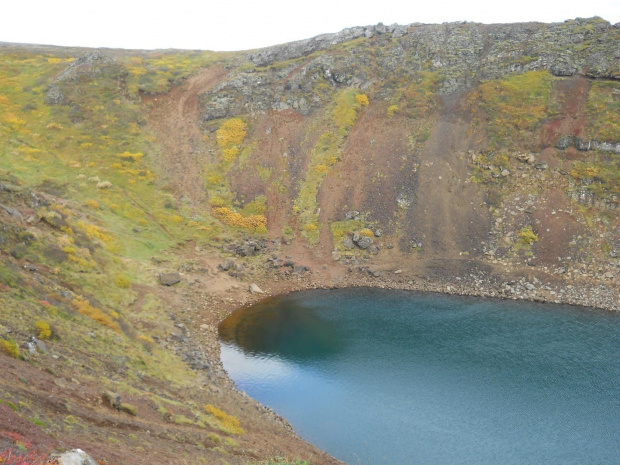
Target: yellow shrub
x=214 y=179
x=95 y=232
x=176 y=219
x=255 y=222
x=229 y=422
x=367 y=232
x=122 y=281
x=321 y=169
x=43 y=329
x=230 y=153
x=85 y=308
x=231 y=132
x=14 y=122
x=362 y=99
x=311 y=227
x=9 y=347
x=92 y=204
x=392 y=109
x=128 y=156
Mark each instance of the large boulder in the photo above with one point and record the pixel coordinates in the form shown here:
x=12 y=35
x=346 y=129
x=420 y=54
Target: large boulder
x=73 y=457
x=169 y=279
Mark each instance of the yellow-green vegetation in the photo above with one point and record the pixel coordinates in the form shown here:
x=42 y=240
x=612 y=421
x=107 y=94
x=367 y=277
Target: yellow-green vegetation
x=362 y=99
x=527 y=236
x=488 y=167
x=94 y=148
x=599 y=177
x=128 y=408
x=122 y=281
x=326 y=153
x=85 y=308
x=229 y=136
x=514 y=106
x=341 y=228
x=43 y=329
x=416 y=97
x=226 y=423
x=155 y=72
x=9 y=347
x=603 y=108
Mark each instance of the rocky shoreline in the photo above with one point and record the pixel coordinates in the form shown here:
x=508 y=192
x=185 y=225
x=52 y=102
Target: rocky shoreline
x=495 y=285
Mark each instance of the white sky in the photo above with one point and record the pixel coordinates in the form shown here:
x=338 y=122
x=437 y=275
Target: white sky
x=243 y=24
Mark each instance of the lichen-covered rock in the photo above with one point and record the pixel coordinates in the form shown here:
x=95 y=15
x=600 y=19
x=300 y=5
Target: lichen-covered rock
x=73 y=457
x=169 y=279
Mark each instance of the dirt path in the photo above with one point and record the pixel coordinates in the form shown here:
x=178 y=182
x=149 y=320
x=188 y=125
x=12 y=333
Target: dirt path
x=172 y=120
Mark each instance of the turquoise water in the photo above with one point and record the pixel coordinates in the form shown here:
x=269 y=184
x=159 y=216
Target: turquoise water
x=389 y=377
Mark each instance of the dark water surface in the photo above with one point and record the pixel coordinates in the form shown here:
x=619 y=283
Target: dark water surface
x=390 y=377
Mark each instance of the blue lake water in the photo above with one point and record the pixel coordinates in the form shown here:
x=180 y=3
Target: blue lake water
x=394 y=377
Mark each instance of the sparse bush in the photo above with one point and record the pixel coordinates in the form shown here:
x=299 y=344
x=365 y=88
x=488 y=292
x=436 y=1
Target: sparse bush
x=257 y=223
x=128 y=408
x=130 y=157
x=228 y=422
x=9 y=347
x=362 y=99
x=527 y=236
x=85 y=308
x=92 y=204
x=122 y=281
x=43 y=329
x=231 y=132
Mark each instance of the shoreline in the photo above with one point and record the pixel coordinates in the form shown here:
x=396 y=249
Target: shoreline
x=589 y=297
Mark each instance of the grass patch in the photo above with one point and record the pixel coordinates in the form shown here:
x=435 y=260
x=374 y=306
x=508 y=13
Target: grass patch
x=514 y=106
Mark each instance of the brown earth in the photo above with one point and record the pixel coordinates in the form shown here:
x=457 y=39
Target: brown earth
x=448 y=214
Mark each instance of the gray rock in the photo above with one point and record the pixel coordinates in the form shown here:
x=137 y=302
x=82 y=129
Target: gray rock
x=40 y=345
x=227 y=265
x=299 y=269
x=74 y=457
x=169 y=279
x=505 y=173
x=582 y=145
x=528 y=158
x=378 y=233
x=347 y=242
x=565 y=142
x=352 y=215
x=254 y=289
x=54 y=96
x=364 y=242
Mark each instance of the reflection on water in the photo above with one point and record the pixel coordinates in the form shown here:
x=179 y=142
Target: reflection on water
x=283 y=327
x=386 y=377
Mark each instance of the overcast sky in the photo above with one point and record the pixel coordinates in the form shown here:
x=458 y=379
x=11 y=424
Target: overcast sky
x=242 y=25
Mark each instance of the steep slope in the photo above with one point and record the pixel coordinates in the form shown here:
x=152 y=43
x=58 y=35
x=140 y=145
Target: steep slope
x=142 y=192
